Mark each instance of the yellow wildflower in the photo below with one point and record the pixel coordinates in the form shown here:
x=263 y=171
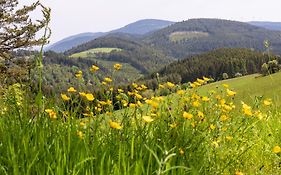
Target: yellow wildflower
x=94 y=68
x=181 y=151
x=71 y=90
x=65 y=97
x=161 y=86
x=223 y=118
x=114 y=125
x=230 y=92
x=120 y=90
x=147 y=119
x=239 y=173
x=117 y=66
x=200 y=114
x=132 y=105
x=205 y=99
x=180 y=92
x=247 y=110
x=170 y=84
x=196 y=103
x=267 y=102
x=80 y=134
x=89 y=97
x=229 y=138
x=212 y=127
x=200 y=81
x=173 y=125
x=276 y=149
x=225 y=85
x=187 y=115
x=79 y=74
x=206 y=79
x=107 y=79
x=52 y=114
x=138 y=96
x=82 y=94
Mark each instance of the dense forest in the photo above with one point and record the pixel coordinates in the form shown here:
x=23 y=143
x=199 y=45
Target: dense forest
x=215 y=33
x=234 y=62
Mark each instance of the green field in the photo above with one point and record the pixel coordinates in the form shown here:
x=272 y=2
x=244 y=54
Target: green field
x=92 y=52
x=188 y=132
x=180 y=36
x=252 y=86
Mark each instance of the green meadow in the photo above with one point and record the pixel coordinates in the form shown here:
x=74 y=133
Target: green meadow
x=201 y=130
x=92 y=52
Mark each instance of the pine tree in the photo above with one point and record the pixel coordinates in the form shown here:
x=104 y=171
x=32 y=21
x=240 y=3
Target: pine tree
x=17 y=29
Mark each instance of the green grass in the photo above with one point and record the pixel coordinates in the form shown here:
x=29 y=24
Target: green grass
x=251 y=86
x=92 y=52
x=31 y=142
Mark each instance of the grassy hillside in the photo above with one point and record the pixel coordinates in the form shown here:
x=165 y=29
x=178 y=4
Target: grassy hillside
x=251 y=86
x=92 y=52
x=200 y=35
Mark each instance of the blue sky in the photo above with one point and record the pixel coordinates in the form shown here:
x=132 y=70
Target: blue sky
x=71 y=17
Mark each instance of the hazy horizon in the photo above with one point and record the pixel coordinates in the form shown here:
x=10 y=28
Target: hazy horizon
x=74 y=17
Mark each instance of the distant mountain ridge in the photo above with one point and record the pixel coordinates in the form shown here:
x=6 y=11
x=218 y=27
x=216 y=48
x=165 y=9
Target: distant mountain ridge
x=267 y=25
x=196 y=36
x=138 y=28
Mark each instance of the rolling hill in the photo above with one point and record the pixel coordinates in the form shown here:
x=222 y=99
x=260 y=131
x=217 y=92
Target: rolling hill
x=233 y=61
x=267 y=25
x=196 y=36
x=137 y=28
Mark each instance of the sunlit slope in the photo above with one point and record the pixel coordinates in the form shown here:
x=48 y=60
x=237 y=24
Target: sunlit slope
x=251 y=86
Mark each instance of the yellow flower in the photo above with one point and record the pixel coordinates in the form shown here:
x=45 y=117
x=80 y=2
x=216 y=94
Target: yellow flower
x=89 y=97
x=247 y=110
x=193 y=85
x=267 y=102
x=117 y=66
x=173 y=125
x=79 y=74
x=200 y=114
x=132 y=105
x=80 y=134
x=229 y=138
x=138 y=96
x=52 y=114
x=104 y=83
x=223 y=118
x=200 y=81
x=120 y=90
x=181 y=151
x=276 y=149
x=230 y=93
x=196 y=103
x=65 y=97
x=71 y=90
x=161 y=86
x=170 y=85
x=147 y=119
x=94 y=68
x=82 y=94
x=205 y=99
x=225 y=85
x=114 y=125
x=206 y=79
x=212 y=127
x=239 y=173
x=107 y=79
x=187 y=115
x=180 y=92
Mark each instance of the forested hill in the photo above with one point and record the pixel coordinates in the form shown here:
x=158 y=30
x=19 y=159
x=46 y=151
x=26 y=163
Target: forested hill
x=139 y=55
x=234 y=62
x=195 y=36
x=137 y=28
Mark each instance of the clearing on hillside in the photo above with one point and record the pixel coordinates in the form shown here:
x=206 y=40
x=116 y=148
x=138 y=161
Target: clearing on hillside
x=92 y=52
x=186 y=35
